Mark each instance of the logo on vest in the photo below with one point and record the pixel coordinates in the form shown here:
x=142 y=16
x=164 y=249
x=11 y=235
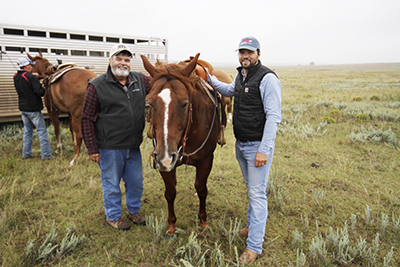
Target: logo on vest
x=246 y=90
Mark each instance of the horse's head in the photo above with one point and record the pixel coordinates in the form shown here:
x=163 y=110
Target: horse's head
x=41 y=65
x=169 y=99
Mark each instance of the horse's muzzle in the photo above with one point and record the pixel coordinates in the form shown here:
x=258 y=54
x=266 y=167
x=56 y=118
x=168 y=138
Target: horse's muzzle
x=167 y=163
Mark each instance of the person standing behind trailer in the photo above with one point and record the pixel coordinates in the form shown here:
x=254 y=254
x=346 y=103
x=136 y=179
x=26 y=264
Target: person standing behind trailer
x=30 y=93
x=112 y=127
x=256 y=116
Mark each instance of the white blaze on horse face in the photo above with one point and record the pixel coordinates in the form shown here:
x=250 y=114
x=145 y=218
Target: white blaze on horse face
x=165 y=96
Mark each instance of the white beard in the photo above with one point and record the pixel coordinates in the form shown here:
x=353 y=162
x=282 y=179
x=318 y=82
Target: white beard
x=120 y=71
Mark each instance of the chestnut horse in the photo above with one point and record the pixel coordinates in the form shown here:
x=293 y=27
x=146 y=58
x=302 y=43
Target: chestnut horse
x=65 y=95
x=184 y=122
x=226 y=78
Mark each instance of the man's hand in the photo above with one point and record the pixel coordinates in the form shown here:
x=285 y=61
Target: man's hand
x=261 y=159
x=96 y=157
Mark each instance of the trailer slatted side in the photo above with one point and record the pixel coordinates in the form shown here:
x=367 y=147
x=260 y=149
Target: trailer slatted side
x=89 y=50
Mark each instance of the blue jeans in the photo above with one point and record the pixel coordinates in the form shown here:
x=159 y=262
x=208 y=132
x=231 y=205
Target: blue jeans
x=256 y=180
x=116 y=164
x=35 y=119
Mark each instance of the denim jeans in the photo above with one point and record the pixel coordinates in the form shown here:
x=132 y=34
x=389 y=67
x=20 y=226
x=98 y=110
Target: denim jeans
x=35 y=119
x=116 y=164
x=256 y=180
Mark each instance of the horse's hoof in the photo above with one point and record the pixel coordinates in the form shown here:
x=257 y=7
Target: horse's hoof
x=205 y=230
x=169 y=235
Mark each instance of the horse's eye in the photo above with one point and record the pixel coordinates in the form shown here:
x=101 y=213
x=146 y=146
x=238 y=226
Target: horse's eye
x=184 y=105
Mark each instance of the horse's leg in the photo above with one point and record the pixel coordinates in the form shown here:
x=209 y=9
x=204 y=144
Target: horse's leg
x=202 y=172
x=170 y=194
x=76 y=132
x=71 y=128
x=56 y=123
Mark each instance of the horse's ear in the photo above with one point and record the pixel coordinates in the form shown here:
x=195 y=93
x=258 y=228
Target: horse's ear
x=40 y=54
x=191 y=66
x=29 y=56
x=148 y=66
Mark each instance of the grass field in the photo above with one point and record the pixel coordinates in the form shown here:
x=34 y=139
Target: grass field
x=333 y=189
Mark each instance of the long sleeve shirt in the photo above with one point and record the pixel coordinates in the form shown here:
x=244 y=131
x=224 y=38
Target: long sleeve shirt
x=30 y=91
x=91 y=112
x=270 y=90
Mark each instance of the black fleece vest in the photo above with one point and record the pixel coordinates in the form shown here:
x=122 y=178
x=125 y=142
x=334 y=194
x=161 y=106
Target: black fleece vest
x=248 y=110
x=121 y=119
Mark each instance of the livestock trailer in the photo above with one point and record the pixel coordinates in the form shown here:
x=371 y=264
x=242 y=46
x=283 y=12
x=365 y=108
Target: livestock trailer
x=88 y=50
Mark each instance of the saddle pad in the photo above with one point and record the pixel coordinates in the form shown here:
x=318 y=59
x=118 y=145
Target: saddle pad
x=61 y=70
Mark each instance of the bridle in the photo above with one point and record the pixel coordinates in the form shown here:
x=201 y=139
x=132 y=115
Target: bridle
x=188 y=124
x=190 y=121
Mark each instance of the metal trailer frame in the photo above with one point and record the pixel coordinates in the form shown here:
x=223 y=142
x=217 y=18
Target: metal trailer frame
x=89 y=50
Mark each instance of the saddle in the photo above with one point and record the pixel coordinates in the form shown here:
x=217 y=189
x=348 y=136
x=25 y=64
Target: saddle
x=53 y=77
x=61 y=70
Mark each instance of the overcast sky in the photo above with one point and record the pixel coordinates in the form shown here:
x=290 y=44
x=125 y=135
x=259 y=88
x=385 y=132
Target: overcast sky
x=290 y=31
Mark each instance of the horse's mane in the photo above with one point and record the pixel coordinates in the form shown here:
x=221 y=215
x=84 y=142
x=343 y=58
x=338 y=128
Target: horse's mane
x=168 y=72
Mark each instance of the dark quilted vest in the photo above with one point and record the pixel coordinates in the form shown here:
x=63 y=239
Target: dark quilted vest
x=248 y=110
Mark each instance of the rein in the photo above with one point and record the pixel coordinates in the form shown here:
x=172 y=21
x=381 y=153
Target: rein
x=190 y=121
x=209 y=132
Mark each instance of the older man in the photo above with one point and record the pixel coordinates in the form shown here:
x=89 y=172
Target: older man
x=112 y=127
x=256 y=116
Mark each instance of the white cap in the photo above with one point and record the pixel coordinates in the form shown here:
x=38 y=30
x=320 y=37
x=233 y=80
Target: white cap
x=118 y=48
x=23 y=61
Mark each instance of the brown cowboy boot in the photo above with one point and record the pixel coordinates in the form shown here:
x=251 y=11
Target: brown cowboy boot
x=244 y=232
x=248 y=256
x=136 y=218
x=119 y=224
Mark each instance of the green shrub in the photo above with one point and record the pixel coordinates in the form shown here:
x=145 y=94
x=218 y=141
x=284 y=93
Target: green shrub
x=363 y=117
x=357 y=98
x=375 y=97
x=308 y=95
x=336 y=112
x=328 y=119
